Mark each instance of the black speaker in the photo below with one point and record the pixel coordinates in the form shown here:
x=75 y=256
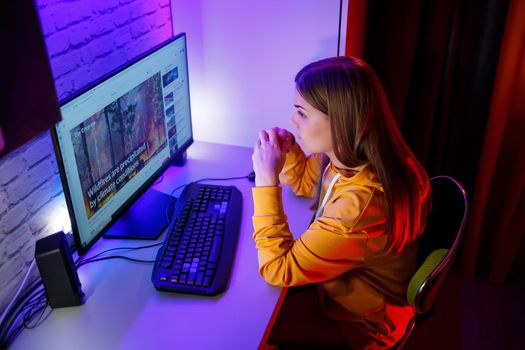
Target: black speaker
x=58 y=271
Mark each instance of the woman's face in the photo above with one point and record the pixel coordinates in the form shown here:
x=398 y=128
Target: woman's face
x=311 y=126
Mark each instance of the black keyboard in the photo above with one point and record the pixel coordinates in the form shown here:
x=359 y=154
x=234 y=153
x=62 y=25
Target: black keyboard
x=199 y=248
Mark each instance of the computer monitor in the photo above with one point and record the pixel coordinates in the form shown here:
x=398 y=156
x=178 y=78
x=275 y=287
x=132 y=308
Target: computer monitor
x=116 y=137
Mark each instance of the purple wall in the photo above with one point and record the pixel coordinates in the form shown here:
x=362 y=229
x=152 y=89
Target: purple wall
x=85 y=39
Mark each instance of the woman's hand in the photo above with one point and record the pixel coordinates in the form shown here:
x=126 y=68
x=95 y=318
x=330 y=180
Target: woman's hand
x=268 y=158
x=286 y=139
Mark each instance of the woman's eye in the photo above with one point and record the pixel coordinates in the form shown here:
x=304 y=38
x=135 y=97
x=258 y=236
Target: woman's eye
x=301 y=114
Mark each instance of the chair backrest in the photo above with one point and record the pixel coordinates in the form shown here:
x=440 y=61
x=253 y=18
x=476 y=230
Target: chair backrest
x=439 y=244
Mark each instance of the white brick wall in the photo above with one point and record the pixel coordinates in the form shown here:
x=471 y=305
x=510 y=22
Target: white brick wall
x=85 y=40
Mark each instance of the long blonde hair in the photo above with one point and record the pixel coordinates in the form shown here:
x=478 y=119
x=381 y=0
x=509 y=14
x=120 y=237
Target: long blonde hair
x=364 y=131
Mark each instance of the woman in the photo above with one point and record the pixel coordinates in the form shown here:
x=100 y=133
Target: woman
x=358 y=254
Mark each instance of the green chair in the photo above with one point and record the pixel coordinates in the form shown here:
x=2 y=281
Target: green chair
x=437 y=248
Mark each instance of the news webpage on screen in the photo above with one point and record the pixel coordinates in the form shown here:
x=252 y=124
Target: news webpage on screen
x=117 y=134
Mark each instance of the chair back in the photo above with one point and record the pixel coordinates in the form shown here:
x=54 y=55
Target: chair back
x=439 y=244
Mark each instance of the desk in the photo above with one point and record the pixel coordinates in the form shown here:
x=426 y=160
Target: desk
x=124 y=311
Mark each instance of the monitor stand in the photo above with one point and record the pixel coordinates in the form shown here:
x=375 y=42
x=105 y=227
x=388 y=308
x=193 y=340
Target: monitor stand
x=145 y=219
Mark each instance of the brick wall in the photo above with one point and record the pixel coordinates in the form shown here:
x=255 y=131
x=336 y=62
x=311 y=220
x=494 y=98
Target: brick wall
x=85 y=40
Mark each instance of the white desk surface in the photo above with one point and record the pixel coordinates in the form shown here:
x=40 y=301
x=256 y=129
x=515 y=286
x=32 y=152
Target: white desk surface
x=124 y=311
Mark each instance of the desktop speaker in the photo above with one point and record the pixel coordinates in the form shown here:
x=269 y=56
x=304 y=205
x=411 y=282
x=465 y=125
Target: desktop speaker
x=58 y=271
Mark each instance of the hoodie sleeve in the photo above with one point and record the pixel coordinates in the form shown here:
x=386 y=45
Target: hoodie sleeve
x=300 y=172
x=332 y=245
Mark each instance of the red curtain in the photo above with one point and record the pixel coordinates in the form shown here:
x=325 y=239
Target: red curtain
x=497 y=221
x=355 y=28
x=454 y=72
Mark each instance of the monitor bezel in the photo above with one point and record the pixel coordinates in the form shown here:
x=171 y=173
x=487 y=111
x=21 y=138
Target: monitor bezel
x=82 y=250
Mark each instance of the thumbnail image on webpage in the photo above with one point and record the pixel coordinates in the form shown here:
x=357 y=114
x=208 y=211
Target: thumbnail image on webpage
x=114 y=144
x=168 y=80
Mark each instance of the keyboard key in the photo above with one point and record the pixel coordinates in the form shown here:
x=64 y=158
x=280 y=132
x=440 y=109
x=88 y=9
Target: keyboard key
x=199 y=278
x=207 y=281
x=216 y=249
x=191 y=278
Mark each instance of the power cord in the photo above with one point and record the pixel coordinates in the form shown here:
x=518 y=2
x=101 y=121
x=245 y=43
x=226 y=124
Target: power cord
x=116 y=257
x=94 y=258
x=36 y=308
x=18 y=291
x=33 y=304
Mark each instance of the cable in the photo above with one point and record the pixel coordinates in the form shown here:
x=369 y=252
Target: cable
x=115 y=257
x=80 y=262
x=26 y=307
x=28 y=317
x=94 y=258
x=41 y=297
x=33 y=304
x=222 y=178
x=15 y=310
x=27 y=324
x=36 y=303
x=6 y=311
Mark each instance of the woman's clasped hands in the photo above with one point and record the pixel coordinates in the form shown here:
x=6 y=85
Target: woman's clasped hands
x=269 y=155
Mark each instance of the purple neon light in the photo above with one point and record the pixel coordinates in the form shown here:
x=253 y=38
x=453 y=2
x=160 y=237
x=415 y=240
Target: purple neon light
x=87 y=39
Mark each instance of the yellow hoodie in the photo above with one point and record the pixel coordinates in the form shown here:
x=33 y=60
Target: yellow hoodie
x=343 y=250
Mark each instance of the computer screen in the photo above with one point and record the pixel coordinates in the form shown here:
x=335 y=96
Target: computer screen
x=119 y=134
